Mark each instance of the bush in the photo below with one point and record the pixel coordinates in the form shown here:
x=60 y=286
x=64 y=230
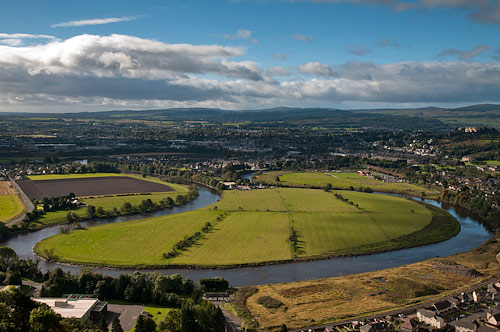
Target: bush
x=269 y=303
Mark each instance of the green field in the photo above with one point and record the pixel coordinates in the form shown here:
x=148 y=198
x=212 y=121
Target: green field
x=74 y=176
x=10 y=207
x=341 y=181
x=107 y=202
x=255 y=228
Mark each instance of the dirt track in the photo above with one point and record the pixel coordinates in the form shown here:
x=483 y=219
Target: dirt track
x=81 y=187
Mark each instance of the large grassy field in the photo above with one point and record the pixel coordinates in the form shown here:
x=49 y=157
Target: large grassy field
x=10 y=206
x=107 y=202
x=10 y=203
x=255 y=227
x=341 y=181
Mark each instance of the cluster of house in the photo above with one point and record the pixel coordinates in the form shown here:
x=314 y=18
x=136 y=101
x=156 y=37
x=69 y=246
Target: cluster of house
x=446 y=314
x=483 y=321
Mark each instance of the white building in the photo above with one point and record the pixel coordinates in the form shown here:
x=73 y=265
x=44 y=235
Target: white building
x=71 y=308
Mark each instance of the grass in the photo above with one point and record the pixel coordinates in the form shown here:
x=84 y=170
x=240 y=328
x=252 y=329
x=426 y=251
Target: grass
x=72 y=176
x=243 y=237
x=341 y=181
x=133 y=243
x=159 y=313
x=256 y=228
x=10 y=207
x=321 y=301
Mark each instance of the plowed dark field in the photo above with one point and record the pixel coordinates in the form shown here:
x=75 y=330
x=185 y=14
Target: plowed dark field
x=111 y=185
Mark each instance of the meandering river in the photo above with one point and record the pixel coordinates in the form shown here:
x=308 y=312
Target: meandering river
x=472 y=234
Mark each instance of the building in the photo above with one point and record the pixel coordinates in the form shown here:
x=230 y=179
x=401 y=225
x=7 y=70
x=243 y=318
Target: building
x=493 y=318
x=81 y=309
x=410 y=325
x=377 y=327
x=480 y=296
x=464 y=326
x=442 y=307
x=484 y=328
x=430 y=318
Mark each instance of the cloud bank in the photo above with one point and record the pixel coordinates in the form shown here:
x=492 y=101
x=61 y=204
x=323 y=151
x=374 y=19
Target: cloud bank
x=119 y=71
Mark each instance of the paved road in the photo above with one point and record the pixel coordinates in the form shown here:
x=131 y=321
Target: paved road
x=406 y=310
x=233 y=324
x=36 y=287
x=26 y=201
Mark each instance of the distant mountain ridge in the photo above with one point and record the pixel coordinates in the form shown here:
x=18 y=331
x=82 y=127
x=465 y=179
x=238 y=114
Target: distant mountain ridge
x=424 y=118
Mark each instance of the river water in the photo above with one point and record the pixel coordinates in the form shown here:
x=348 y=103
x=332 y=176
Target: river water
x=472 y=234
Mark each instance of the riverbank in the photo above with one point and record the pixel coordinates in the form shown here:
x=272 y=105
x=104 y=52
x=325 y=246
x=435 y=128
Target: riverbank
x=315 y=302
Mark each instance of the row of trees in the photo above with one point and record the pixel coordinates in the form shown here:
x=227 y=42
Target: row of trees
x=146 y=206
x=18 y=313
x=188 y=241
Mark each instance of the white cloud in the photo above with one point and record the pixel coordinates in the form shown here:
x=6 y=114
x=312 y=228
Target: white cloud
x=277 y=71
x=302 y=37
x=25 y=36
x=17 y=39
x=317 y=69
x=11 y=42
x=118 y=71
x=93 y=21
x=242 y=34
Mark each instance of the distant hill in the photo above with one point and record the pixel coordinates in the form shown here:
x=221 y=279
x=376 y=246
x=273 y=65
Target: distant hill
x=274 y=117
x=424 y=118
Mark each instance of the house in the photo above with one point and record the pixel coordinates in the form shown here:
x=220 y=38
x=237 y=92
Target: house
x=454 y=302
x=442 y=307
x=230 y=185
x=464 y=298
x=492 y=288
x=377 y=327
x=430 y=318
x=410 y=325
x=484 y=328
x=464 y=326
x=493 y=318
x=480 y=296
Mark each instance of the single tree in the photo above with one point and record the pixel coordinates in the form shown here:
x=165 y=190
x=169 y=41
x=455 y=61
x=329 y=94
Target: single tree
x=43 y=319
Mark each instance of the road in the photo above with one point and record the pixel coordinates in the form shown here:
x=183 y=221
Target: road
x=233 y=324
x=26 y=201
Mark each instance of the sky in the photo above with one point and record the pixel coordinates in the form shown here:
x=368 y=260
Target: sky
x=72 y=56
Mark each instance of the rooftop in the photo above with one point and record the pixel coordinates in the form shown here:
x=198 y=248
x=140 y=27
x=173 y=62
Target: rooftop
x=69 y=308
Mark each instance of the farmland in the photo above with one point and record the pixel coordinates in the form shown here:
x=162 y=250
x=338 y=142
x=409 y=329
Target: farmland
x=89 y=186
x=10 y=203
x=107 y=201
x=341 y=181
x=255 y=227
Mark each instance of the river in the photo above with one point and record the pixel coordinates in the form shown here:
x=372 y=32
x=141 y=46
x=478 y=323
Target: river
x=472 y=234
